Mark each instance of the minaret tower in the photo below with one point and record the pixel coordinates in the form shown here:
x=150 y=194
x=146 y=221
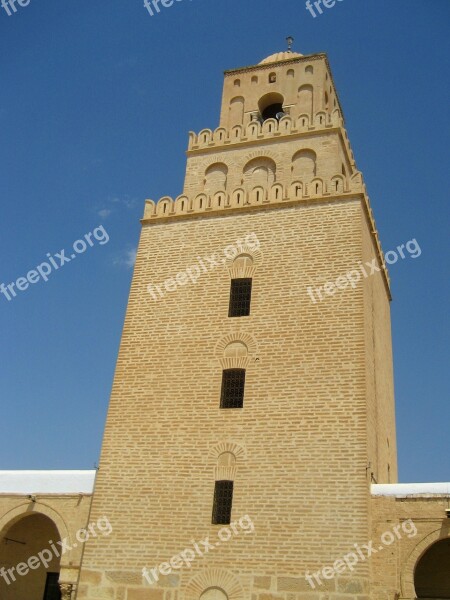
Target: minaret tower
x=253 y=392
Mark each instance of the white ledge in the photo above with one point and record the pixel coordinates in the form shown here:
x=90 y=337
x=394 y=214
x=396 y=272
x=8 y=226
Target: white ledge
x=405 y=490
x=47 y=482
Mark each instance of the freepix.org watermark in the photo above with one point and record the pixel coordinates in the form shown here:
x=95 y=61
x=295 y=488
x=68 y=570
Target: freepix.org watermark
x=153 y=5
x=318 y=4
x=204 y=264
x=354 y=276
x=10 y=5
x=58 y=260
x=198 y=549
x=45 y=557
x=363 y=551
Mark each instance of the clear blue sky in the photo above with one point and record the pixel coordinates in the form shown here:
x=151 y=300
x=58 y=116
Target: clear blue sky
x=96 y=102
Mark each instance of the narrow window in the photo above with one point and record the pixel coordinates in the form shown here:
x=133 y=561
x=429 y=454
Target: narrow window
x=240 y=297
x=233 y=384
x=223 y=499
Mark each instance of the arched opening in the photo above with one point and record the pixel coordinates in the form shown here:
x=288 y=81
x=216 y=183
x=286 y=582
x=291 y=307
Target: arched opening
x=271 y=105
x=29 y=553
x=432 y=572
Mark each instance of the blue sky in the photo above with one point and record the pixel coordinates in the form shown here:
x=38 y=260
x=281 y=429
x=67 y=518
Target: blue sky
x=96 y=102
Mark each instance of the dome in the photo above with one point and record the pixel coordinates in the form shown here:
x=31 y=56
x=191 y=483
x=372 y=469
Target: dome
x=279 y=56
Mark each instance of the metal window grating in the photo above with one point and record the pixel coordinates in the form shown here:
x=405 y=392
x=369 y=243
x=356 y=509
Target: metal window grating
x=240 y=297
x=233 y=384
x=223 y=500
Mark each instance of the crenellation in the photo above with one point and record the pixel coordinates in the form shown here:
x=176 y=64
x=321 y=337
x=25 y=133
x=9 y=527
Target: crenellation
x=336 y=187
x=255 y=131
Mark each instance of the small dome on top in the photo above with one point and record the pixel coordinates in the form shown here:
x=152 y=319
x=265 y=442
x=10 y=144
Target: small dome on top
x=279 y=56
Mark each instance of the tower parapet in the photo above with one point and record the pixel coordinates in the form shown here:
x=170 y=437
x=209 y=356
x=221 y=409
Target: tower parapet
x=317 y=189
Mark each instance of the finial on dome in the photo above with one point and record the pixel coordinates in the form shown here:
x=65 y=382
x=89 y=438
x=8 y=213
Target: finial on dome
x=290 y=41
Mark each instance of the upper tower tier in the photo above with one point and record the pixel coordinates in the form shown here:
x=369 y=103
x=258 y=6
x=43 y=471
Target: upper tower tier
x=285 y=82
x=281 y=141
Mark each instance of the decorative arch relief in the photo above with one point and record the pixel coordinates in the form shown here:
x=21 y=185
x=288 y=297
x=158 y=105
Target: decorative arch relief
x=238 y=451
x=225 y=583
x=245 y=258
x=236 y=350
x=227 y=456
x=214 y=593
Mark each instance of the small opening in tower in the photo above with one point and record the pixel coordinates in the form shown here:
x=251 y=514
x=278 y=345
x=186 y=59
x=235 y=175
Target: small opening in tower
x=272 y=111
x=271 y=106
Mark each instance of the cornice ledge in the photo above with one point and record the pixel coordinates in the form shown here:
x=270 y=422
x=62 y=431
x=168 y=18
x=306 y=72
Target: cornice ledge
x=265 y=66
